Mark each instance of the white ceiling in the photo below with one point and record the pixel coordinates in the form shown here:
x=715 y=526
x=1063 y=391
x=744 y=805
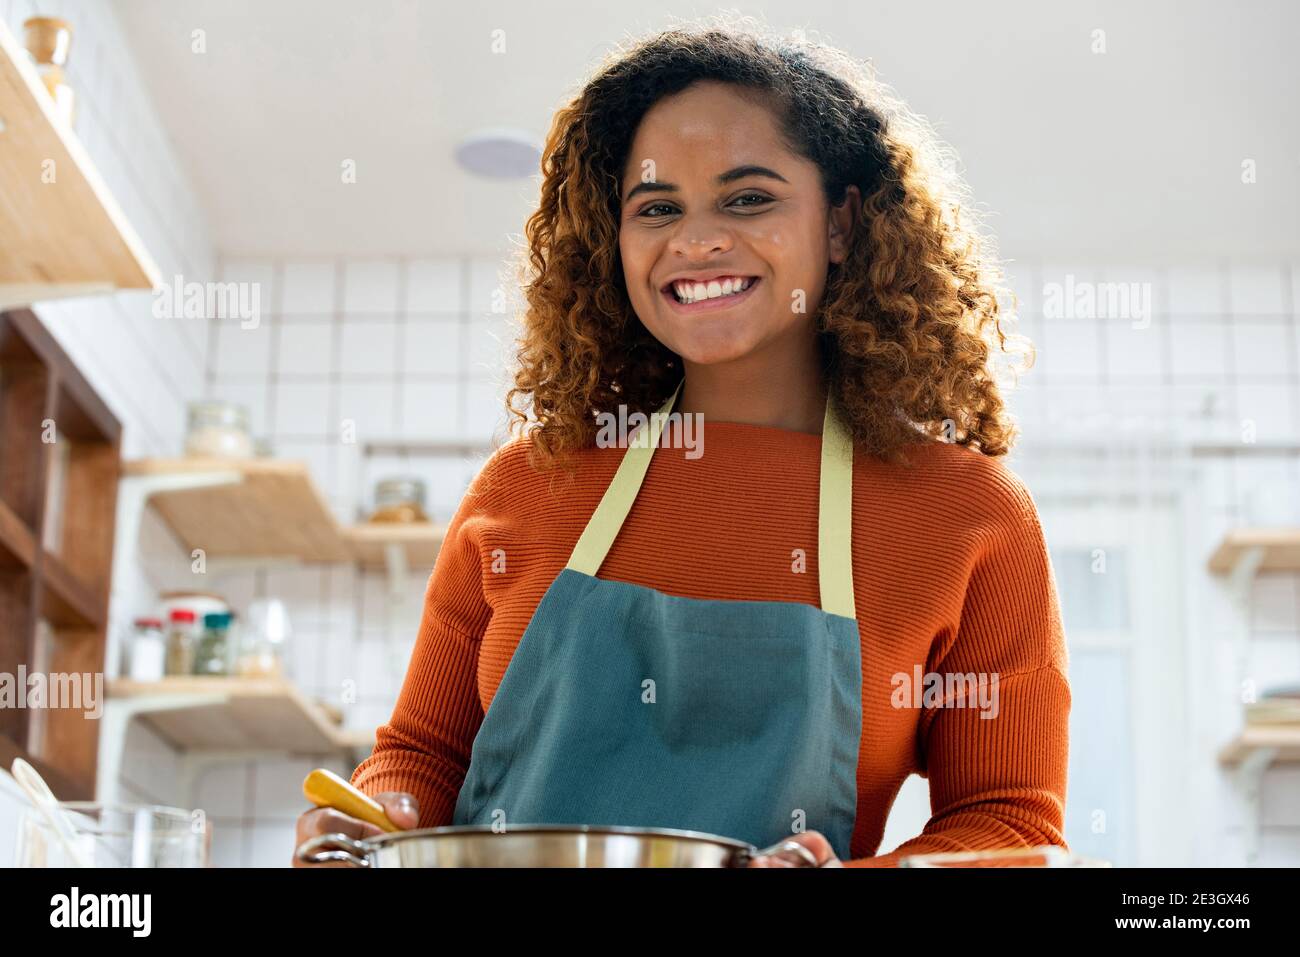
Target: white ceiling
x=1133 y=155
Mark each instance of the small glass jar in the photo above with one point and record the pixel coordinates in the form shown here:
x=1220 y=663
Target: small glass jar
x=212 y=654
x=218 y=429
x=148 y=650
x=263 y=640
x=181 y=642
x=399 y=499
x=48 y=40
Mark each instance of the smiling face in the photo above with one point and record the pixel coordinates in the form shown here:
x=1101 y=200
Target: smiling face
x=735 y=215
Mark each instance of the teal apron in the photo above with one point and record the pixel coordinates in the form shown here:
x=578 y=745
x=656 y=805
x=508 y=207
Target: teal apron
x=623 y=705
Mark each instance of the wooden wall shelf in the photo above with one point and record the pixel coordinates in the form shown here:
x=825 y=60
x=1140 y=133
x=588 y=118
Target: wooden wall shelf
x=372 y=544
x=1283 y=741
x=59 y=460
x=235 y=714
x=1279 y=549
x=270 y=510
x=67 y=237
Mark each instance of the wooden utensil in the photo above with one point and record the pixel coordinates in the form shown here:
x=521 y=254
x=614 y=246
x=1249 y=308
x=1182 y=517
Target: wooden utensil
x=326 y=789
x=30 y=780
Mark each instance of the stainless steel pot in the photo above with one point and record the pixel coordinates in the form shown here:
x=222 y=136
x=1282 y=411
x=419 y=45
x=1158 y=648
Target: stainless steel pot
x=540 y=846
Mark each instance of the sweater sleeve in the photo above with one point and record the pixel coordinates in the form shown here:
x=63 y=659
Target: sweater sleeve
x=997 y=767
x=424 y=749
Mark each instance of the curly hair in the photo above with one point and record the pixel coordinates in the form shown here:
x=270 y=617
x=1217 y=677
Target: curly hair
x=908 y=321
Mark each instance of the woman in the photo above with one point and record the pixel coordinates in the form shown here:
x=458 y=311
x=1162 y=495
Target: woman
x=764 y=635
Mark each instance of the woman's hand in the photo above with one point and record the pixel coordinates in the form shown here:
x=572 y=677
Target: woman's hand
x=402 y=809
x=815 y=848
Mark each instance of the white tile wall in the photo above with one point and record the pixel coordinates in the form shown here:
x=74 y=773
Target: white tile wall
x=368 y=348
x=1258 y=290
x=433 y=288
x=1136 y=351
x=1071 y=349
x=242 y=353
x=1261 y=347
x=1268 y=407
x=302 y=408
x=371 y=289
x=1199 y=347
x=303 y=348
x=430 y=347
x=309 y=289
x=1196 y=291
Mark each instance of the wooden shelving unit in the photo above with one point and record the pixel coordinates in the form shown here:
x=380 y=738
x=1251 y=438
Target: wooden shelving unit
x=59 y=459
x=65 y=235
x=236 y=714
x=269 y=508
x=246 y=510
x=1240 y=557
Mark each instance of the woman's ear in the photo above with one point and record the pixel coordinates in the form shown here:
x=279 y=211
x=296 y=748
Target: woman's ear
x=842 y=220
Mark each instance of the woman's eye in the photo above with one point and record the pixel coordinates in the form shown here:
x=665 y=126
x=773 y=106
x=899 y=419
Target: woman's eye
x=760 y=199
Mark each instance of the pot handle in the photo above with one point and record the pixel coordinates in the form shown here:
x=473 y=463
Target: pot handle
x=324 y=848
x=793 y=846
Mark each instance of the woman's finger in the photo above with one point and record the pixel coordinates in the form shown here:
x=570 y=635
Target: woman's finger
x=810 y=849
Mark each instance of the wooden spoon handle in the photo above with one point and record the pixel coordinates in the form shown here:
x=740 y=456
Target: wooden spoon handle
x=326 y=789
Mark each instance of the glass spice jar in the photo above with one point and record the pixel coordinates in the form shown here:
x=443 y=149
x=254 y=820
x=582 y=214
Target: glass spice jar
x=263 y=640
x=399 y=499
x=212 y=654
x=181 y=642
x=148 y=650
x=218 y=429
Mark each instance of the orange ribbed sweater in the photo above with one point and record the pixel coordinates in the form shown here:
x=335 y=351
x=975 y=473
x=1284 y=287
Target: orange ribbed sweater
x=951 y=576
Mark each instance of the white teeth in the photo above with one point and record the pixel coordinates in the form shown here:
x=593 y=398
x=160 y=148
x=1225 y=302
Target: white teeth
x=688 y=292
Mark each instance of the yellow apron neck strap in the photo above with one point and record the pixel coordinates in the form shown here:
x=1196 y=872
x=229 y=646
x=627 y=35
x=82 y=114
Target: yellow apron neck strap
x=835 y=506
x=835 y=516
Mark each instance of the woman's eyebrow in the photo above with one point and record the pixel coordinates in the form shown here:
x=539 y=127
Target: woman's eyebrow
x=739 y=172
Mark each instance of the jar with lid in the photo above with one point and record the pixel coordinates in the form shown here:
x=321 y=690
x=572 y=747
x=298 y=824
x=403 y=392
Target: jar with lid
x=181 y=642
x=399 y=499
x=212 y=654
x=148 y=650
x=218 y=429
x=263 y=639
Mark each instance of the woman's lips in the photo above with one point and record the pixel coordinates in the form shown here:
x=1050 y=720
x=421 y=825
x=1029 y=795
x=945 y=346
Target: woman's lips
x=709 y=305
